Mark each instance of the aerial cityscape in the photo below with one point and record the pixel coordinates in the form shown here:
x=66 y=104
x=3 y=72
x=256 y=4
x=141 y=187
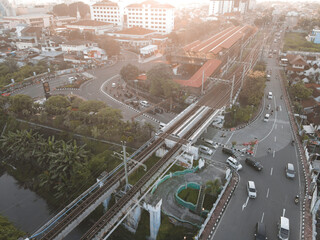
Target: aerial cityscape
x=160 y=120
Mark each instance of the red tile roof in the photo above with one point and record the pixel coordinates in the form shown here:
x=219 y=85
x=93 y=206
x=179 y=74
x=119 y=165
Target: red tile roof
x=207 y=69
x=89 y=23
x=136 y=31
x=142 y=77
x=153 y=4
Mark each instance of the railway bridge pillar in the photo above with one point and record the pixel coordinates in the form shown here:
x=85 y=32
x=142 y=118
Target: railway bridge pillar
x=155 y=218
x=132 y=220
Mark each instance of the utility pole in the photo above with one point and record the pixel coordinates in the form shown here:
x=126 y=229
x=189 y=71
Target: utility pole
x=125 y=165
x=231 y=94
x=202 y=82
x=242 y=77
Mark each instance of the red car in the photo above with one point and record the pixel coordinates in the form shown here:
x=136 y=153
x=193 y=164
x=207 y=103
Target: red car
x=6 y=94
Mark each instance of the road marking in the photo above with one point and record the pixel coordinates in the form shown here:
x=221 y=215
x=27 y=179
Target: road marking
x=280 y=108
x=275 y=139
x=262 y=217
x=245 y=204
x=284 y=212
x=274 y=123
x=271 y=171
x=274 y=153
x=229 y=138
x=268 y=192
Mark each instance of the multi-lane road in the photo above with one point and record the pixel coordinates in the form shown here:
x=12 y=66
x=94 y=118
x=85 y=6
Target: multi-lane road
x=275 y=192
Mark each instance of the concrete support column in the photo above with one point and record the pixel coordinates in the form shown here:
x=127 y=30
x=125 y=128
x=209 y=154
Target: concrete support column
x=155 y=218
x=105 y=203
x=132 y=221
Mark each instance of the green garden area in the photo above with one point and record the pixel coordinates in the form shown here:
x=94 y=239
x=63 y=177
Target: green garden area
x=297 y=42
x=8 y=231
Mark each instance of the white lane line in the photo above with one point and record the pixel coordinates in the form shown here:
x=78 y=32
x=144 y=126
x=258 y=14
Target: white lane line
x=262 y=217
x=274 y=123
x=229 y=138
x=274 y=153
x=268 y=192
x=275 y=139
x=245 y=204
x=271 y=171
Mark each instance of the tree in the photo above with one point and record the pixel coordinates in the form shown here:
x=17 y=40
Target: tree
x=61 y=10
x=129 y=72
x=111 y=47
x=160 y=77
x=213 y=187
x=91 y=106
x=83 y=8
x=20 y=102
x=56 y=105
x=300 y=91
x=8 y=231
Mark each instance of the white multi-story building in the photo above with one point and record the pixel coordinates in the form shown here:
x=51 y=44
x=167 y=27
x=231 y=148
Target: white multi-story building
x=220 y=7
x=149 y=15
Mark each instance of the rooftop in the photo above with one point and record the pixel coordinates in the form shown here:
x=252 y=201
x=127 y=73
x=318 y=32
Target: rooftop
x=89 y=23
x=151 y=3
x=207 y=69
x=135 y=31
x=105 y=3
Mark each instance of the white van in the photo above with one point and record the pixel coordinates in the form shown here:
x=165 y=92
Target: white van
x=266 y=117
x=270 y=95
x=205 y=150
x=251 y=188
x=162 y=125
x=284 y=230
x=234 y=163
x=209 y=142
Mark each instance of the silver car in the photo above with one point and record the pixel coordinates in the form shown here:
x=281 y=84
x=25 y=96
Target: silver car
x=290 y=172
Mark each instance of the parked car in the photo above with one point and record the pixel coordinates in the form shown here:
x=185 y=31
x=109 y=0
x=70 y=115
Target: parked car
x=260 y=233
x=228 y=151
x=205 y=150
x=290 y=172
x=251 y=188
x=232 y=162
x=209 y=142
x=270 y=95
x=253 y=163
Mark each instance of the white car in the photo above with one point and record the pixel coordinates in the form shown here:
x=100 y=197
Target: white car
x=270 y=95
x=205 y=150
x=144 y=103
x=234 y=163
x=251 y=188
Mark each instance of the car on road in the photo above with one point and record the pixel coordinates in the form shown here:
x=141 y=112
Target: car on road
x=228 y=151
x=113 y=85
x=270 y=95
x=144 y=103
x=260 y=233
x=284 y=230
x=205 y=150
x=251 y=188
x=290 y=172
x=268 y=77
x=253 y=163
x=266 y=117
x=232 y=162
x=209 y=142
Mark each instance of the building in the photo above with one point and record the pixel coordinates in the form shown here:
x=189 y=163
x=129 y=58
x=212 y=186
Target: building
x=149 y=15
x=93 y=26
x=314 y=36
x=221 y=7
x=33 y=20
x=77 y=46
x=107 y=11
x=296 y=64
x=60 y=21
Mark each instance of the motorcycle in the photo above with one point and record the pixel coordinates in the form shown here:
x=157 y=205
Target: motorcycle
x=296 y=199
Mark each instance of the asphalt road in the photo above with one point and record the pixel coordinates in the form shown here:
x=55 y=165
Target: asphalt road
x=275 y=193
x=93 y=91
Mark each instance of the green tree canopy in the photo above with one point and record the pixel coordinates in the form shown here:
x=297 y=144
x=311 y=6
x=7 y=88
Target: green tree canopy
x=8 y=231
x=20 y=102
x=129 y=72
x=91 y=106
x=300 y=91
x=160 y=77
x=111 y=47
x=56 y=105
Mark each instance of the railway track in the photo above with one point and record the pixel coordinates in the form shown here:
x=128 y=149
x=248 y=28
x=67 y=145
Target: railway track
x=72 y=215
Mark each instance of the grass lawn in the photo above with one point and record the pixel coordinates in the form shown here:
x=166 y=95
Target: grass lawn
x=298 y=42
x=189 y=195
